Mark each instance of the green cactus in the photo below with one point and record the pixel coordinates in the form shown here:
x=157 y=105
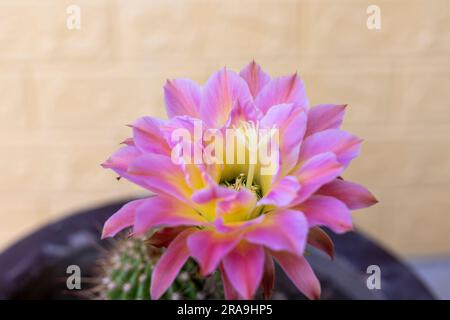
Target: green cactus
x=125 y=271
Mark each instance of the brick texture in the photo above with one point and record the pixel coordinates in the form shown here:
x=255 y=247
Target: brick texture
x=66 y=95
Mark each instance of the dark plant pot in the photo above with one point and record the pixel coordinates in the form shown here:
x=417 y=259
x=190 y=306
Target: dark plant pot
x=35 y=267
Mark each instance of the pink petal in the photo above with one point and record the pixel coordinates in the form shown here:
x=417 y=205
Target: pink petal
x=268 y=280
x=315 y=172
x=300 y=272
x=353 y=195
x=320 y=240
x=181 y=122
x=280 y=230
x=229 y=291
x=323 y=117
x=182 y=97
x=128 y=142
x=164 y=211
x=159 y=174
x=231 y=205
x=121 y=219
x=238 y=206
x=211 y=193
x=291 y=123
x=327 y=211
x=255 y=77
x=169 y=264
x=186 y=149
x=282 y=193
x=209 y=247
x=148 y=137
x=288 y=89
x=244 y=268
x=220 y=94
x=243 y=113
x=343 y=144
x=121 y=159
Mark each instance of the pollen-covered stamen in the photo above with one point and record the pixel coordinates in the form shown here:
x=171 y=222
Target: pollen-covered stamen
x=240 y=182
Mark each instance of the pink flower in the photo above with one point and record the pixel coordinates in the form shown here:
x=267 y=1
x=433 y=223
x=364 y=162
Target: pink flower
x=229 y=216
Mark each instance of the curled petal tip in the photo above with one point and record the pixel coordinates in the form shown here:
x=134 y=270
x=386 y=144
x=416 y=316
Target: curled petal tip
x=169 y=83
x=344 y=228
x=105 y=165
x=128 y=142
x=320 y=240
x=204 y=273
x=294 y=75
x=105 y=234
x=316 y=295
x=154 y=295
x=342 y=107
x=373 y=201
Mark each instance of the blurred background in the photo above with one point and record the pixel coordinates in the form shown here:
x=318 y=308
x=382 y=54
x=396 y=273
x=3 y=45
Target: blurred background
x=67 y=94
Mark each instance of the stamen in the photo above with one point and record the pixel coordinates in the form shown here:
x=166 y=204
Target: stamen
x=241 y=181
x=250 y=174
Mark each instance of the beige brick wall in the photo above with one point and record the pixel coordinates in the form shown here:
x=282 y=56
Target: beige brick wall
x=65 y=95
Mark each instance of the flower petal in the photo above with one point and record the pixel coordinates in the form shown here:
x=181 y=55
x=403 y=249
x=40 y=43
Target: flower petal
x=243 y=113
x=182 y=97
x=288 y=89
x=323 y=117
x=236 y=207
x=121 y=219
x=280 y=230
x=170 y=264
x=209 y=247
x=320 y=240
x=355 y=196
x=175 y=128
x=255 y=77
x=291 y=123
x=327 y=211
x=121 y=159
x=220 y=93
x=345 y=145
x=211 y=193
x=159 y=174
x=244 y=268
x=128 y=142
x=300 y=272
x=148 y=137
x=207 y=198
x=164 y=211
x=315 y=172
x=282 y=193
x=229 y=291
